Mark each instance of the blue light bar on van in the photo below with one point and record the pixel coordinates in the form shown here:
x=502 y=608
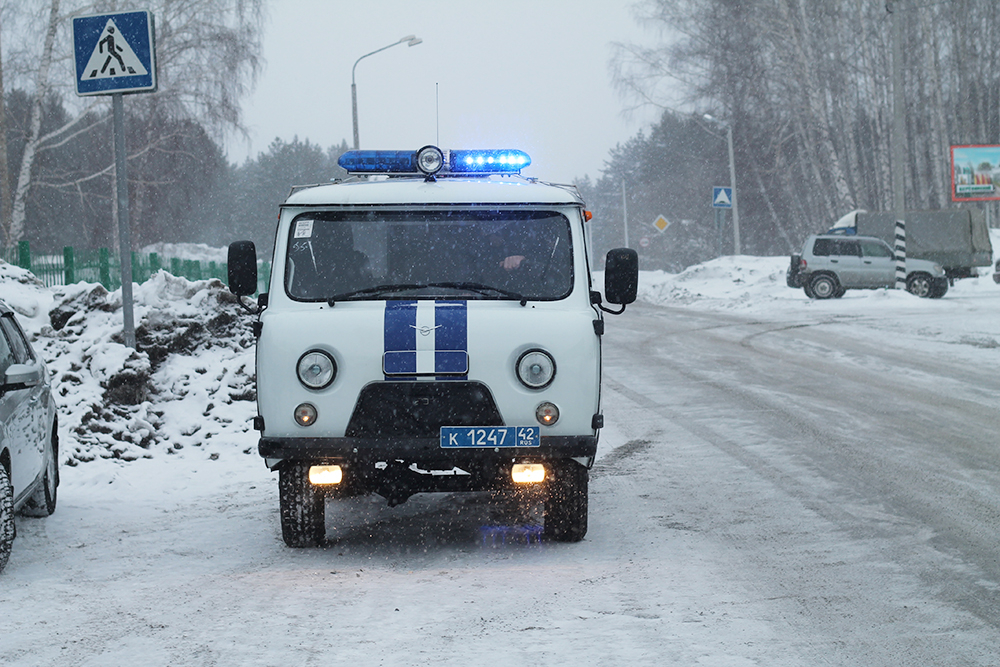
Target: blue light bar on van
x=379 y=162
x=430 y=160
x=489 y=161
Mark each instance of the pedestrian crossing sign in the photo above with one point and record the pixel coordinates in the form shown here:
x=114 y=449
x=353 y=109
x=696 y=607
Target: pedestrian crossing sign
x=114 y=53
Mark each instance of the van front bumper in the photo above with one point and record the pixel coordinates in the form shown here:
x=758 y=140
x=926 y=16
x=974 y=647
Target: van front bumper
x=374 y=450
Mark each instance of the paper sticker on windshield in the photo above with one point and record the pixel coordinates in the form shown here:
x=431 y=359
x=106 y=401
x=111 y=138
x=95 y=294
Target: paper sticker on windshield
x=303 y=229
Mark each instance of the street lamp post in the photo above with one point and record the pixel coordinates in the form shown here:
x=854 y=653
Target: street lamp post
x=732 y=180
x=409 y=40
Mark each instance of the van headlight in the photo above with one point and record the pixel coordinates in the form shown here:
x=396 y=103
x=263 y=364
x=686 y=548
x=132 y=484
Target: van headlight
x=536 y=369
x=316 y=369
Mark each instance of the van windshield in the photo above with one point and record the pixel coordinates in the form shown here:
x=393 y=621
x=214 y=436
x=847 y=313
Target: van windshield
x=469 y=254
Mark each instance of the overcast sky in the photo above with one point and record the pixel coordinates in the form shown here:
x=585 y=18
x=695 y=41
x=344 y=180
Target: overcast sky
x=528 y=74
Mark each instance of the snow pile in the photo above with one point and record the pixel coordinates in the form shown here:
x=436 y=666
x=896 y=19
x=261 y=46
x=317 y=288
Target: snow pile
x=25 y=293
x=725 y=282
x=967 y=317
x=189 y=380
x=757 y=284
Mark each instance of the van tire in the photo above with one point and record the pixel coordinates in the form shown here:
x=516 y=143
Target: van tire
x=7 y=531
x=566 y=503
x=303 y=508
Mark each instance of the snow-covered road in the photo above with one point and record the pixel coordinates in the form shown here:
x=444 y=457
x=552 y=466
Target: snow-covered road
x=781 y=482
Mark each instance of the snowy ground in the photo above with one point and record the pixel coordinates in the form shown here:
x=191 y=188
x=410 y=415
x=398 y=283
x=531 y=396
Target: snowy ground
x=969 y=315
x=167 y=516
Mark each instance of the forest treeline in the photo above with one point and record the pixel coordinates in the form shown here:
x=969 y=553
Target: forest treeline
x=56 y=151
x=182 y=188
x=807 y=87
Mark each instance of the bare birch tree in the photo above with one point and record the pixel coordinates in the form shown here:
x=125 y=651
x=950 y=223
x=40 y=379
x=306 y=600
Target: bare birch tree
x=5 y=207
x=816 y=124
x=208 y=58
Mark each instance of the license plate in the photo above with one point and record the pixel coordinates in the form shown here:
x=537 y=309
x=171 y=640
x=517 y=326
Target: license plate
x=488 y=437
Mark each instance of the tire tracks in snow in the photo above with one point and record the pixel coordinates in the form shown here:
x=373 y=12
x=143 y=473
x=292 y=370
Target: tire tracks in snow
x=714 y=379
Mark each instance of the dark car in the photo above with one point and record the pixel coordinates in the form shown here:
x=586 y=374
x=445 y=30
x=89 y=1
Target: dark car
x=29 y=443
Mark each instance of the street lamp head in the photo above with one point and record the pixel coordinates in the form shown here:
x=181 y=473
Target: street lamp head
x=410 y=40
x=712 y=119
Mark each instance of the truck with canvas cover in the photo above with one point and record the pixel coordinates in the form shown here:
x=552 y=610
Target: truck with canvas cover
x=957 y=239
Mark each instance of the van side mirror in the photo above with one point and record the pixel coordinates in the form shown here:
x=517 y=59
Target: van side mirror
x=621 y=276
x=242 y=268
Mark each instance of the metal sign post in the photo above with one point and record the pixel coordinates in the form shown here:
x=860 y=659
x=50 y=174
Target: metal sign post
x=124 y=225
x=114 y=54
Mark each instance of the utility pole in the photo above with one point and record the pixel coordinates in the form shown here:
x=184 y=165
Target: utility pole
x=898 y=143
x=732 y=177
x=732 y=184
x=898 y=114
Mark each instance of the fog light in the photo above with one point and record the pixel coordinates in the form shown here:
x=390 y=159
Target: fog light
x=547 y=414
x=305 y=414
x=326 y=475
x=527 y=473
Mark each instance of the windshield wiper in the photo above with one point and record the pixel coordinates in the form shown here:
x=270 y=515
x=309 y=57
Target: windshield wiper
x=380 y=290
x=483 y=289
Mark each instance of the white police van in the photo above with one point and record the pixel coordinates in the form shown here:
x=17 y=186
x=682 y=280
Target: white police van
x=430 y=325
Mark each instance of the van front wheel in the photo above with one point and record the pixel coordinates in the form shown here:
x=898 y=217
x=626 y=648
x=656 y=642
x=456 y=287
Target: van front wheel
x=303 y=508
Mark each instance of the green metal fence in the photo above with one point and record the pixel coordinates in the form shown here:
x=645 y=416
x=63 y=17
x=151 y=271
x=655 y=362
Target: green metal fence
x=103 y=266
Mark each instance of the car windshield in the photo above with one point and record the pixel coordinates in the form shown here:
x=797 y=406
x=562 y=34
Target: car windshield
x=469 y=254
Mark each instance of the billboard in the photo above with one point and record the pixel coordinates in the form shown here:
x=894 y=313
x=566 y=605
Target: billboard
x=975 y=173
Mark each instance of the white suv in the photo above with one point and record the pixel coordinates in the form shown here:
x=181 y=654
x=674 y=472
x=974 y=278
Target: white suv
x=832 y=264
x=430 y=325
